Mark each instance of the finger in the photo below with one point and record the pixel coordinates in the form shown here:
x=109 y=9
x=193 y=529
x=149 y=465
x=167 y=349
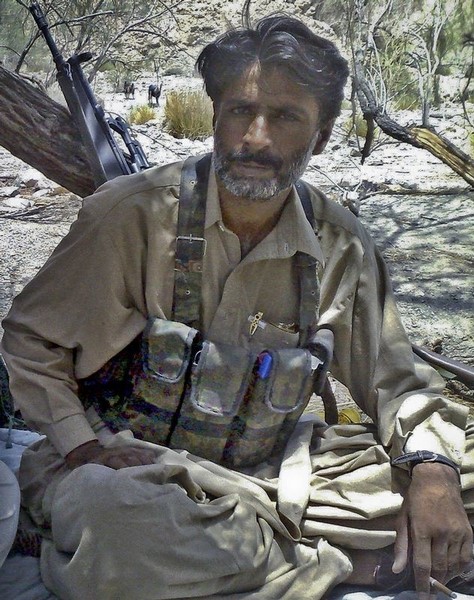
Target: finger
x=401 y=543
x=466 y=553
x=454 y=560
x=115 y=460
x=149 y=457
x=460 y=554
x=441 y=554
x=422 y=565
x=135 y=457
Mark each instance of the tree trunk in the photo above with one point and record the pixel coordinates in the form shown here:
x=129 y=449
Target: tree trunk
x=40 y=132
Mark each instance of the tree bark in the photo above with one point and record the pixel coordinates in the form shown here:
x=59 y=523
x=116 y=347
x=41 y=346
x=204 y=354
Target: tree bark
x=41 y=132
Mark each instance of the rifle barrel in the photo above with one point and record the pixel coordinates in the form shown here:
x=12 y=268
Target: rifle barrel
x=41 y=22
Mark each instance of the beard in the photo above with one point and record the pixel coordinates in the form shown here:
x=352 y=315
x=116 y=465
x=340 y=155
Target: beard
x=261 y=189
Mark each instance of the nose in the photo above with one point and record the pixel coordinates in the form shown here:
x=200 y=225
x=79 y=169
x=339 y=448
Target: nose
x=257 y=135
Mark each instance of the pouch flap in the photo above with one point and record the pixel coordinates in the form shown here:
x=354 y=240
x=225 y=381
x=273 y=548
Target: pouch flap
x=221 y=376
x=167 y=347
x=290 y=379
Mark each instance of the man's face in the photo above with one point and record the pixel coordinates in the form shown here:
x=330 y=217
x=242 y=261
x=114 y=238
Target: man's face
x=265 y=131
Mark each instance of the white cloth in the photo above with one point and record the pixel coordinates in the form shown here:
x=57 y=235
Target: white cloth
x=9 y=509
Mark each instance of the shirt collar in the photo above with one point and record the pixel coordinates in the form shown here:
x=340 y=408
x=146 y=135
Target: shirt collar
x=293 y=232
x=213 y=208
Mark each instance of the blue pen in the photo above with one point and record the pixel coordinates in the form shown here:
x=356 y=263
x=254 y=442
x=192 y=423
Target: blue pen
x=265 y=360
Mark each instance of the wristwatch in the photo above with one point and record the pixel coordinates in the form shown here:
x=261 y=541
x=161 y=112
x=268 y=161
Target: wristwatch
x=424 y=456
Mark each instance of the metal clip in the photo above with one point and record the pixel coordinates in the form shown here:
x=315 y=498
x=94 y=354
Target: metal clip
x=255 y=322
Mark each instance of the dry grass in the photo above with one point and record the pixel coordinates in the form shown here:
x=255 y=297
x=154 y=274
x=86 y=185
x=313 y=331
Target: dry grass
x=138 y=115
x=188 y=114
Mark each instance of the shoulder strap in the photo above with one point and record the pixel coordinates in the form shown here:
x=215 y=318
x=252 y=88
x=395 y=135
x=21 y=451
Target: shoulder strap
x=320 y=342
x=309 y=281
x=190 y=241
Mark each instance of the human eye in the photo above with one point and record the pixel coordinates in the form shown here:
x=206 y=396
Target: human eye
x=288 y=116
x=240 y=109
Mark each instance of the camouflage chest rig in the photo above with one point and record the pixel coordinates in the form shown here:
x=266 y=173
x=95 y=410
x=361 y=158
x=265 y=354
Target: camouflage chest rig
x=219 y=401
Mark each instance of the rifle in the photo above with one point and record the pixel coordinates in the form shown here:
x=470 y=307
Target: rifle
x=106 y=157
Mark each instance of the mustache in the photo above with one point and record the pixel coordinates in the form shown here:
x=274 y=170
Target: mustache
x=261 y=158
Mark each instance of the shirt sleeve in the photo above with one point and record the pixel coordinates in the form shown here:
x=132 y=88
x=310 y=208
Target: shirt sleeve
x=84 y=305
x=374 y=358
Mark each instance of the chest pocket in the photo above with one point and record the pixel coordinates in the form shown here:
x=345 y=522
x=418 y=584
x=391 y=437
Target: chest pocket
x=265 y=334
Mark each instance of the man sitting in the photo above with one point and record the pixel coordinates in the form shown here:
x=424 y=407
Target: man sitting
x=181 y=307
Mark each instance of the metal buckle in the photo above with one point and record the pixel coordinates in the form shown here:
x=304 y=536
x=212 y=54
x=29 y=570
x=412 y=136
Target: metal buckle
x=191 y=239
x=422 y=455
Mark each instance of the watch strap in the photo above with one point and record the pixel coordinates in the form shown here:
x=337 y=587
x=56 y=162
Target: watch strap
x=424 y=456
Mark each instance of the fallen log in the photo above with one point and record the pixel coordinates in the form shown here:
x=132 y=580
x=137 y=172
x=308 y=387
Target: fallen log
x=39 y=131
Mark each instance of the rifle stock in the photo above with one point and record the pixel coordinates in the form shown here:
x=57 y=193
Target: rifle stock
x=106 y=157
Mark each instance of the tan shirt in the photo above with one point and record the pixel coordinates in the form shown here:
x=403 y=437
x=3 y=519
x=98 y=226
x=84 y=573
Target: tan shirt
x=115 y=268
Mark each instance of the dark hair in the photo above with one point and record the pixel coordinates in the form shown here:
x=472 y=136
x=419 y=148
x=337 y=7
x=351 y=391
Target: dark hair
x=282 y=42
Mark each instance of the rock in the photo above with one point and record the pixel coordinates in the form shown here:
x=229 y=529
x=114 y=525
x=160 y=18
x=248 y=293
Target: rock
x=31 y=178
x=18 y=203
x=40 y=193
x=9 y=191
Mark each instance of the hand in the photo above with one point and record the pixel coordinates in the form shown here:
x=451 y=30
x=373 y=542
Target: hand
x=433 y=526
x=115 y=458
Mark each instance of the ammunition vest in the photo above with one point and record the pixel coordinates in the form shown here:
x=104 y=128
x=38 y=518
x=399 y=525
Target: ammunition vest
x=222 y=402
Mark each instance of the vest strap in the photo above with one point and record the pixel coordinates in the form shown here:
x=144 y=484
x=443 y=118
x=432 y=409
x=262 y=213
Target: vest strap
x=308 y=276
x=190 y=241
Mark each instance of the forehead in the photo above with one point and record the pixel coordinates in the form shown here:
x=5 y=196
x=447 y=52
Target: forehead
x=270 y=87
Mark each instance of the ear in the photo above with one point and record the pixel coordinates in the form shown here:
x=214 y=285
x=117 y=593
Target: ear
x=323 y=137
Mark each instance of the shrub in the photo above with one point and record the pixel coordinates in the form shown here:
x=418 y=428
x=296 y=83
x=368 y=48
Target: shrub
x=188 y=114
x=408 y=99
x=357 y=125
x=138 y=115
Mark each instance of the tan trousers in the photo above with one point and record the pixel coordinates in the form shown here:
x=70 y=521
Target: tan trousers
x=187 y=528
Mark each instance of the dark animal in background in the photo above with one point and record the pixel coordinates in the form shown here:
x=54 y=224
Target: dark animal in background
x=129 y=89
x=154 y=91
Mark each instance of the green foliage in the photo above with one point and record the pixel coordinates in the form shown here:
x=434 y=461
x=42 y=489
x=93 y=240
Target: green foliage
x=188 y=114
x=397 y=77
x=140 y=114
x=406 y=100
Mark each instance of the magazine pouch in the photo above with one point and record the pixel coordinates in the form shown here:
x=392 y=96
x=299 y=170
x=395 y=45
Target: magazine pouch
x=142 y=387
x=219 y=381
x=279 y=392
